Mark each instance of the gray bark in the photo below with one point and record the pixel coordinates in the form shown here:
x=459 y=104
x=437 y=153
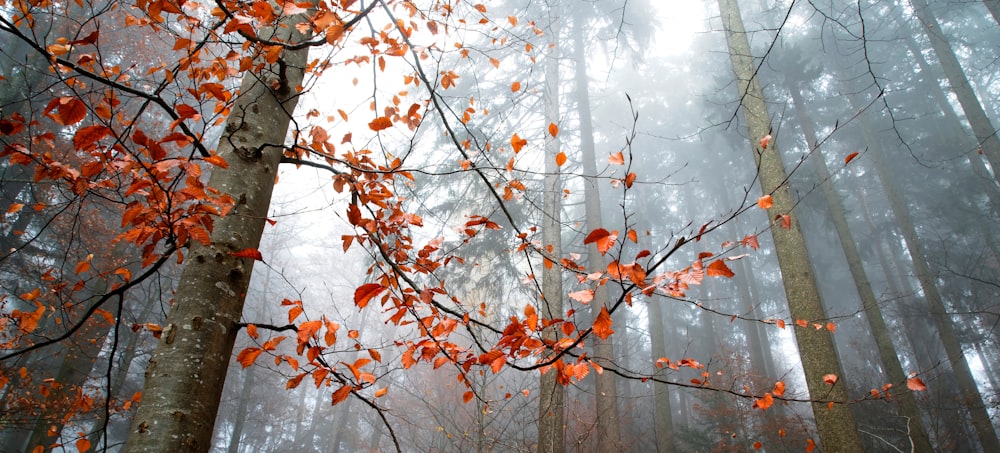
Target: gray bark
x=873 y=312
x=608 y=424
x=551 y=402
x=836 y=425
x=187 y=371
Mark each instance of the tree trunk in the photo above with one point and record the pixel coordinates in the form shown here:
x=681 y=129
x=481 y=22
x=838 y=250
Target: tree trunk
x=994 y=7
x=608 y=425
x=552 y=395
x=883 y=339
x=836 y=425
x=974 y=114
x=187 y=371
x=936 y=309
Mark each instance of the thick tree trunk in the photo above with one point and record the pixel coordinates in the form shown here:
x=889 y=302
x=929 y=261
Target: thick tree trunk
x=879 y=330
x=837 y=428
x=187 y=371
x=966 y=382
x=552 y=395
x=974 y=113
x=608 y=425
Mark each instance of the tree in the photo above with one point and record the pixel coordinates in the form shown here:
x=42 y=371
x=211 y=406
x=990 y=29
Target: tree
x=836 y=425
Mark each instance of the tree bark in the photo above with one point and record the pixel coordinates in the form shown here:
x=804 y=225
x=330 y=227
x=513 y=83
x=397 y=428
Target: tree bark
x=966 y=382
x=608 y=424
x=187 y=371
x=974 y=113
x=836 y=425
x=879 y=330
x=552 y=395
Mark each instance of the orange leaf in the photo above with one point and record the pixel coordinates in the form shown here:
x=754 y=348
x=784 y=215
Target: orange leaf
x=617 y=159
x=764 y=402
x=560 y=158
x=248 y=253
x=366 y=292
x=14 y=207
x=602 y=325
x=765 y=202
x=779 y=388
x=308 y=329
x=517 y=143
x=757 y=445
x=252 y=331
x=810 y=445
x=271 y=344
x=831 y=327
x=603 y=239
x=247 y=356
x=515 y=87
x=495 y=62
x=850 y=157
x=629 y=180
x=780 y=323
x=380 y=123
x=218 y=161
x=718 y=268
x=633 y=236
x=830 y=379
x=512 y=20
x=915 y=384
x=82 y=445
x=341 y=394
x=765 y=141
x=786 y=221
x=381 y=392
x=467 y=396
x=553 y=129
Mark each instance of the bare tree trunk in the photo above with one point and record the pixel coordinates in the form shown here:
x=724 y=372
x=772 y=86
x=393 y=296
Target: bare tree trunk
x=552 y=395
x=974 y=113
x=608 y=425
x=187 y=371
x=966 y=382
x=883 y=339
x=837 y=428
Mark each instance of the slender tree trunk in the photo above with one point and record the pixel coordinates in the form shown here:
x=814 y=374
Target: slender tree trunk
x=187 y=371
x=552 y=395
x=966 y=382
x=608 y=425
x=883 y=339
x=974 y=113
x=837 y=428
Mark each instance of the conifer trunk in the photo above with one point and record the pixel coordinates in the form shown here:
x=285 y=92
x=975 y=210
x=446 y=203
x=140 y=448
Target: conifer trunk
x=836 y=425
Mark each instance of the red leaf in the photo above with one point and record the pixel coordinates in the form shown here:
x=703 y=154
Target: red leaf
x=850 y=157
x=779 y=388
x=69 y=110
x=629 y=180
x=249 y=253
x=517 y=143
x=85 y=137
x=915 y=384
x=765 y=202
x=757 y=445
x=765 y=141
x=341 y=394
x=830 y=379
x=560 y=158
x=82 y=445
x=810 y=445
x=603 y=239
x=365 y=293
x=617 y=159
x=602 y=325
x=247 y=356
x=718 y=268
x=380 y=123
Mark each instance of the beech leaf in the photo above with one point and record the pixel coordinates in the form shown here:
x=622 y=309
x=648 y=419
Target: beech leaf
x=365 y=293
